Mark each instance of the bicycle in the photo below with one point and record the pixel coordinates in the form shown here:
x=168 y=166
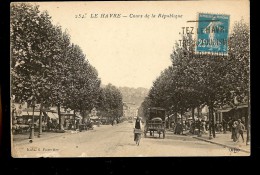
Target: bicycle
x=138 y=133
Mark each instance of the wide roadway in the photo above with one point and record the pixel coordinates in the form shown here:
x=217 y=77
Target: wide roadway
x=117 y=141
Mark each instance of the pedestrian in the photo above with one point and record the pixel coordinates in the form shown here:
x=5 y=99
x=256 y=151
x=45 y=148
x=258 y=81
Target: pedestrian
x=230 y=123
x=112 y=122
x=234 y=131
x=137 y=125
x=178 y=128
x=240 y=130
x=203 y=124
x=224 y=124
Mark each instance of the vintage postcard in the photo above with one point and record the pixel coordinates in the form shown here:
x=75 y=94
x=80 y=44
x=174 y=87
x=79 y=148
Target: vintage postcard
x=130 y=79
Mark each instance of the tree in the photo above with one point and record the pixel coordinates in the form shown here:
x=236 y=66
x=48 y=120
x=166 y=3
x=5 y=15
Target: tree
x=82 y=82
x=111 y=102
x=46 y=67
x=30 y=49
x=32 y=46
x=143 y=111
x=239 y=56
x=194 y=80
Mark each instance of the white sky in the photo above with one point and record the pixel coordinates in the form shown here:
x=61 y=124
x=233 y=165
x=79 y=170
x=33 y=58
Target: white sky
x=133 y=52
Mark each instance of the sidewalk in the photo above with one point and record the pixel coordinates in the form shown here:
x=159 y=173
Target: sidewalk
x=20 y=139
x=23 y=138
x=225 y=140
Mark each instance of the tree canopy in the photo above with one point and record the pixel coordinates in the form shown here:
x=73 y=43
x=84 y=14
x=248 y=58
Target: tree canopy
x=195 y=80
x=47 y=68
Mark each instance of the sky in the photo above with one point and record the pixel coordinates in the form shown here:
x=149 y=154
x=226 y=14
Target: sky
x=132 y=52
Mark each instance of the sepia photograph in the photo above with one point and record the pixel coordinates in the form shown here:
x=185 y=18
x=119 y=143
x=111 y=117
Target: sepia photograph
x=130 y=79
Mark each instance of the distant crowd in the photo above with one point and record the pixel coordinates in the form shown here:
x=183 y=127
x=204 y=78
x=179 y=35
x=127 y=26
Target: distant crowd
x=200 y=126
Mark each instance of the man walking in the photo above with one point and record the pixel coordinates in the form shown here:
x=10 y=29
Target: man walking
x=240 y=129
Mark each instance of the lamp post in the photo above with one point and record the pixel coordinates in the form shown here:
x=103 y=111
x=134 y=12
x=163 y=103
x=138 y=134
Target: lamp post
x=32 y=123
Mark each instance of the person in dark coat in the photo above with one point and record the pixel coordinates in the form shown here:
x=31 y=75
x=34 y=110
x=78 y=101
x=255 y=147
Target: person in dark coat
x=178 y=128
x=224 y=124
x=234 y=131
x=240 y=130
x=138 y=125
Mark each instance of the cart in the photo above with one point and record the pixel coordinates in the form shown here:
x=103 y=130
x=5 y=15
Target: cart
x=155 y=122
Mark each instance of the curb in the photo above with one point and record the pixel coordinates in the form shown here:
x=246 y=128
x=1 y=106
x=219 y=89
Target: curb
x=36 y=139
x=220 y=144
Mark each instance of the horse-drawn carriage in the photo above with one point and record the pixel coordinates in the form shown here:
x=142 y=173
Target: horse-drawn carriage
x=155 y=122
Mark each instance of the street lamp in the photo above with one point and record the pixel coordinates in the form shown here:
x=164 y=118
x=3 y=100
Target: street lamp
x=32 y=123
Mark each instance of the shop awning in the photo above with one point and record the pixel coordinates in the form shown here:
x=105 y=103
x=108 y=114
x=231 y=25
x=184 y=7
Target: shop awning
x=242 y=106
x=157 y=118
x=67 y=114
x=24 y=113
x=29 y=113
x=224 y=110
x=53 y=115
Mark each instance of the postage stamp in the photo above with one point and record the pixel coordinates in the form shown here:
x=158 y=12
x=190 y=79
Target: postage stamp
x=212 y=34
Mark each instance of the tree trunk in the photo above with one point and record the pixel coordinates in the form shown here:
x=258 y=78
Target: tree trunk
x=213 y=125
x=212 y=122
x=181 y=124
x=198 y=110
x=40 y=120
x=32 y=124
x=192 y=114
x=83 y=116
x=169 y=122
x=74 y=121
x=59 y=114
x=248 y=131
x=175 y=117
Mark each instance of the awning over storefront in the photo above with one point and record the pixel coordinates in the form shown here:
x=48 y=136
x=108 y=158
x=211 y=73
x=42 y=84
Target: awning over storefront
x=23 y=113
x=224 y=110
x=35 y=113
x=52 y=115
x=94 y=117
x=242 y=106
x=67 y=114
x=29 y=113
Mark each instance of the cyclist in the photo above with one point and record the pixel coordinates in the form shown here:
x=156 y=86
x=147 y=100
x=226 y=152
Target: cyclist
x=137 y=126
